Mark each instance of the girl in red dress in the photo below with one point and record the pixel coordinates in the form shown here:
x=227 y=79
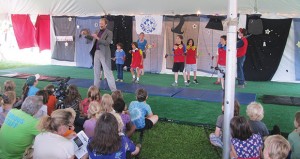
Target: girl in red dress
x=136 y=62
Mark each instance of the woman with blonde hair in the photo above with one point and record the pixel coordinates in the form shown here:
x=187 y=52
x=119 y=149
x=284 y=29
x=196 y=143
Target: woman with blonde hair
x=94 y=111
x=54 y=129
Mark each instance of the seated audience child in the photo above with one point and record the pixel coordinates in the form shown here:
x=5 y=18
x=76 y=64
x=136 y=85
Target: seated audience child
x=107 y=103
x=51 y=143
x=294 y=138
x=117 y=94
x=107 y=143
x=128 y=128
x=276 y=147
x=216 y=138
x=255 y=112
x=94 y=111
x=43 y=110
x=73 y=100
x=29 y=88
x=244 y=143
x=7 y=100
x=19 y=129
x=93 y=94
x=140 y=112
x=51 y=104
x=9 y=85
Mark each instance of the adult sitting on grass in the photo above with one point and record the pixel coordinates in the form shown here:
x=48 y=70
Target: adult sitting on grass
x=244 y=143
x=7 y=100
x=52 y=143
x=216 y=138
x=19 y=128
x=276 y=147
x=255 y=112
x=140 y=112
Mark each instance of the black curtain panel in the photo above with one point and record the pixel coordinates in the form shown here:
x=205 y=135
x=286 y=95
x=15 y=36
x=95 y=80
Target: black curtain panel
x=265 y=50
x=122 y=31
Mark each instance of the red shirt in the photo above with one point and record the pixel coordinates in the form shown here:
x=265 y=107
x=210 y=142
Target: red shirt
x=85 y=104
x=222 y=57
x=137 y=58
x=242 y=50
x=51 y=104
x=191 y=55
x=179 y=54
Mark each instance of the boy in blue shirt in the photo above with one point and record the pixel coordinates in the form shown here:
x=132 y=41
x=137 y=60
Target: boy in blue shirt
x=119 y=58
x=140 y=112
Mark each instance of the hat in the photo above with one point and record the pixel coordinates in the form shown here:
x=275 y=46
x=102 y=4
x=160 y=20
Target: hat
x=31 y=79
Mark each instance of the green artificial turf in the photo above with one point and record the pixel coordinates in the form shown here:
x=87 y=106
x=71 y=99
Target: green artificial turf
x=168 y=140
x=180 y=109
x=174 y=141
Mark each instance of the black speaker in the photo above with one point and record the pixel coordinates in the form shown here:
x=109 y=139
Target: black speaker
x=254 y=24
x=215 y=22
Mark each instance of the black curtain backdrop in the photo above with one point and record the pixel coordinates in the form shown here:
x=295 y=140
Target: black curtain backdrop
x=265 y=50
x=122 y=31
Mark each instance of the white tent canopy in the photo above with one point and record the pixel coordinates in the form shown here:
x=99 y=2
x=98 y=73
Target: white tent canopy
x=287 y=8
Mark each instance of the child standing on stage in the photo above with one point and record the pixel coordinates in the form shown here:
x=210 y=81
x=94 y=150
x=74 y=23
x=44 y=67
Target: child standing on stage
x=119 y=58
x=179 y=50
x=142 y=44
x=191 y=57
x=222 y=59
x=136 y=62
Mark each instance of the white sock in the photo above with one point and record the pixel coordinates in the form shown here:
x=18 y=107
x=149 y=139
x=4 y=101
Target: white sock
x=137 y=78
x=185 y=81
x=175 y=81
x=133 y=76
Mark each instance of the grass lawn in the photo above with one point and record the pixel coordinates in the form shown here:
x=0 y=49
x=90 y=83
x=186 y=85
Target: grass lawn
x=170 y=140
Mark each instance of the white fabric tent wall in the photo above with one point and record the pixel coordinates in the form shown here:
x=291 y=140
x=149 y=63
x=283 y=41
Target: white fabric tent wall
x=290 y=8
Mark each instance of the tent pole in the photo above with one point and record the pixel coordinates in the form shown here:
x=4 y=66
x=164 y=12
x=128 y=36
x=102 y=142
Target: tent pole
x=230 y=74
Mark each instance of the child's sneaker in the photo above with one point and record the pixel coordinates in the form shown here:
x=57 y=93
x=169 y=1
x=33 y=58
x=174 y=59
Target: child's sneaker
x=217 y=83
x=195 y=81
x=186 y=84
x=174 y=84
x=117 y=80
x=137 y=81
x=133 y=80
x=189 y=81
x=120 y=80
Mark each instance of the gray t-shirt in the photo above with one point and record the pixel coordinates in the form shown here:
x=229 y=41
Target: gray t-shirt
x=259 y=127
x=220 y=121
